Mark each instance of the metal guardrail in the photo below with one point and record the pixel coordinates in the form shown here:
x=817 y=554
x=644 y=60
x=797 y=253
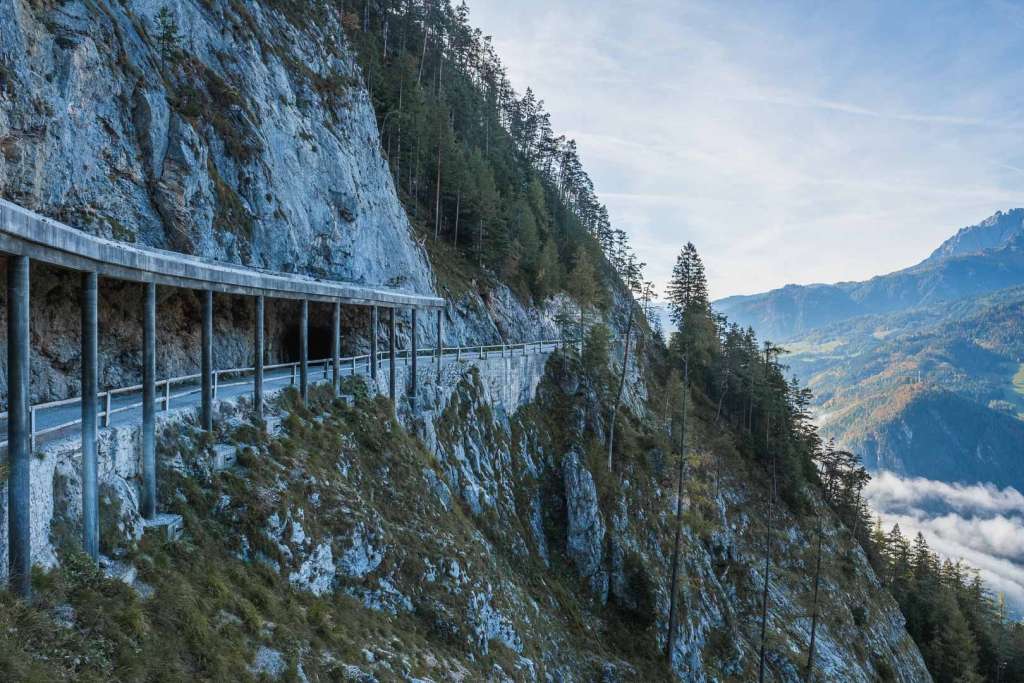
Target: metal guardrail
x=165 y=393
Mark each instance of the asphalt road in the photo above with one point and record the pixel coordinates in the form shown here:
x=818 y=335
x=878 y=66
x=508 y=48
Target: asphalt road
x=126 y=408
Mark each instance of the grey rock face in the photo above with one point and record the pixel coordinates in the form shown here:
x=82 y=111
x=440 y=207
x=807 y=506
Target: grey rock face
x=268 y=662
x=316 y=574
x=363 y=556
x=585 y=528
x=232 y=152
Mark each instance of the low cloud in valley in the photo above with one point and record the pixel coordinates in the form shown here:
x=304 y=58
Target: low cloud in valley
x=979 y=523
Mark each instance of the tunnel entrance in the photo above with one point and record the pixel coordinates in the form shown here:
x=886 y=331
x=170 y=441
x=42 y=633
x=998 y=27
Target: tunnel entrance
x=319 y=342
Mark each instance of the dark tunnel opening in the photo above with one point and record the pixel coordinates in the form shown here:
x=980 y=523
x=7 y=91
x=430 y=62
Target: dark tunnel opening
x=319 y=342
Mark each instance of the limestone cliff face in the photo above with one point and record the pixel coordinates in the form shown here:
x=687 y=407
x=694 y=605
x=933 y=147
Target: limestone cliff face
x=560 y=518
x=254 y=142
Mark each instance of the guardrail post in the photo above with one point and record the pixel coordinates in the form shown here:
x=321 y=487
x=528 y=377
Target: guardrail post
x=19 y=554
x=374 y=320
x=90 y=360
x=216 y=382
x=304 y=350
x=257 y=383
x=32 y=428
x=391 y=354
x=206 y=362
x=149 y=403
x=167 y=394
x=336 y=347
x=106 y=409
x=415 y=361
x=458 y=353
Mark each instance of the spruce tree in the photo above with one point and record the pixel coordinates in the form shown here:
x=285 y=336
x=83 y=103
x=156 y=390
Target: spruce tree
x=687 y=290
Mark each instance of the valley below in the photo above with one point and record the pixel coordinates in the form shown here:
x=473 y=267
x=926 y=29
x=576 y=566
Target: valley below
x=919 y=372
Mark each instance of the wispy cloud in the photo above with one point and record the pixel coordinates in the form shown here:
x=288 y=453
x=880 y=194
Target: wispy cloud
x=789 y=145
x=809 y=102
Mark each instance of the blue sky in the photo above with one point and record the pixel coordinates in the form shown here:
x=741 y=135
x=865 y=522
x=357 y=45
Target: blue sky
x=791 y=142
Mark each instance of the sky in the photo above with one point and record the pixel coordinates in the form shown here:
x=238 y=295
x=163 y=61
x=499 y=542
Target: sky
x=791 y=142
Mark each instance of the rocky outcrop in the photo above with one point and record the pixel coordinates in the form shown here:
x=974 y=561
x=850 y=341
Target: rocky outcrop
x=585 y=528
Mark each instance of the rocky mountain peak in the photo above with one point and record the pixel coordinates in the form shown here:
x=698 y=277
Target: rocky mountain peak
x=995 y=232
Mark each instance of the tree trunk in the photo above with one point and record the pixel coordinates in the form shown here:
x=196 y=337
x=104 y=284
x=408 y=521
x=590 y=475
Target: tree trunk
x=618 y=395
x=856 y=517
x=673 y=608
x=437 y=194
x=721 y=398
x=750 y=402
x=423 y=53
x=814 y=607
x=440 y=67
x=412 y=172
x=767 y=560
x=458 y=208
x=398 y=160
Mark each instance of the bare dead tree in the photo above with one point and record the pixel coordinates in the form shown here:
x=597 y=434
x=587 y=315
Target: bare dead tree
x=622 y=387
x=767 y=557
x=814 y=604
x=673 y=608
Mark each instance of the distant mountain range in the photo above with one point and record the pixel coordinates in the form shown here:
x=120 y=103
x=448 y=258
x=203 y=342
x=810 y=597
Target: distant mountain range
x=920 y=371
x=977 y=259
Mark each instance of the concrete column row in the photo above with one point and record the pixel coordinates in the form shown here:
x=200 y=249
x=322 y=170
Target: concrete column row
x=19 y=436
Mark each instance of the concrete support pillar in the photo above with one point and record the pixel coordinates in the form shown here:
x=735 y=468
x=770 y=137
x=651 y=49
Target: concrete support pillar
x=19 y=550
x=206 y=362
x=304 y=351
x=258 y=344
x=336 y=346
x=149 y=403
x=373 y=342
x=90 y=363
x=440 y=346
x=414 y=362
x=391 y=354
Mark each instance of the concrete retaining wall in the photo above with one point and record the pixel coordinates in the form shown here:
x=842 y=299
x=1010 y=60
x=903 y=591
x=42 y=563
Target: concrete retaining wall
x=56 y=489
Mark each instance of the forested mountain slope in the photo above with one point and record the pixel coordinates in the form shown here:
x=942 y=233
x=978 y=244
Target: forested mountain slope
x=933 y=392
x=468 y=537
